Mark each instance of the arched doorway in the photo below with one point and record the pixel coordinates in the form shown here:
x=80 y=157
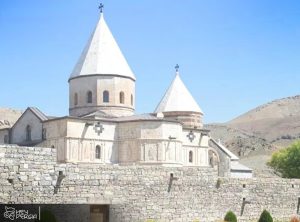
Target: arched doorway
x=213 y=158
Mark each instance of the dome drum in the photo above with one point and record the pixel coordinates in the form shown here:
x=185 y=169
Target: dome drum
x=190 y=120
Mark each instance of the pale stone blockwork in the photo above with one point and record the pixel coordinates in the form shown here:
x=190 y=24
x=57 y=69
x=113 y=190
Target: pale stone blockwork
x=97 y=84
x=150 y=142
x=141 y=193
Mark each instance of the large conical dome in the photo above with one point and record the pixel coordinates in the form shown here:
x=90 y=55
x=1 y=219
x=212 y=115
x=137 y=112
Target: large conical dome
x=102 y=55
x=102 y=81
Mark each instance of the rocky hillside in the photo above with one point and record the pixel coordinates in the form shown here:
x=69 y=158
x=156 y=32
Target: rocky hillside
x=240 y=142
x=255 y=135
x=267 y=127
x=8 y=117
x=275 y=121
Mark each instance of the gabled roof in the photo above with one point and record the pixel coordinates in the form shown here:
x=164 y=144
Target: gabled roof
x=133 y=118
x=97 y=114
x=237 y=166
x=38 y=113
x=225 y=150
x=102 y=55
x=41 y=116
x=145 y=116
x=178 y=98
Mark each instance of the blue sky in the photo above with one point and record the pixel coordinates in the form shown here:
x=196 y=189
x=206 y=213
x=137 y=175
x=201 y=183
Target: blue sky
x=234 y=55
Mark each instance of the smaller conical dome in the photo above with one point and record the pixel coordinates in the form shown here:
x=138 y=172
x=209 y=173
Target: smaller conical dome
x=178 y=99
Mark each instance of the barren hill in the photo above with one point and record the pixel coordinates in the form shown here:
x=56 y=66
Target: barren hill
x=240 y=142
x=274 y=121
x=8 y=117
x=254 y=135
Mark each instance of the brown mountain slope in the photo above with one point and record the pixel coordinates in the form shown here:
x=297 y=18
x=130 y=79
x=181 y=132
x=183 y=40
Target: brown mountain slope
x=274 y=121
x=253 y=151
x=240 y=142
x=254 y=135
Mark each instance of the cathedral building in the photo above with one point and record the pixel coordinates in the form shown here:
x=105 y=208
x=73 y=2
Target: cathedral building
x=102 y=126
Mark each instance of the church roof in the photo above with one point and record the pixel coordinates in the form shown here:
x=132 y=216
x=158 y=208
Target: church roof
x=225 y=150
x=38 y=113
x=178 y=98
x=102 y=55
x=237 y=166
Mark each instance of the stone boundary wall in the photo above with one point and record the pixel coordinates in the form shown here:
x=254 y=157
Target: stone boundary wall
x=141 y=193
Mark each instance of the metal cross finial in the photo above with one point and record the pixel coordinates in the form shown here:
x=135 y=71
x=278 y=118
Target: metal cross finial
x=101 y=6
x=177 y=67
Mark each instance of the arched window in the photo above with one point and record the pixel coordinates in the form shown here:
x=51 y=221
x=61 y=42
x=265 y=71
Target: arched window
x=75 y=99
x=122 y=97
x=98 y=152
x=28 y=133
x=131 y=99
x=105 y=96
x=89 y=98
x=213 y=158
x=5 y=138
x=44 y=133
x=191 y=156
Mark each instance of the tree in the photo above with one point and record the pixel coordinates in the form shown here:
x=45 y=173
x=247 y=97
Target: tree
x=265 y=217
x=287 y=161
x=230 y=217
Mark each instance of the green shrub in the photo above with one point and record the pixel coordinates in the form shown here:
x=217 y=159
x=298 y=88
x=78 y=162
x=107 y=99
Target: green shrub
x=287 y=161
x=230 y=217
x=265 y=217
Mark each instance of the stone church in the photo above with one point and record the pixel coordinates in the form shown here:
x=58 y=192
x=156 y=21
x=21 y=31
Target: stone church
x=102 y=126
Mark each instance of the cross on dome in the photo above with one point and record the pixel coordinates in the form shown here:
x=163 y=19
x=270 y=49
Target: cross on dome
x=101 y=6
x=177 y=67
x=102 y=55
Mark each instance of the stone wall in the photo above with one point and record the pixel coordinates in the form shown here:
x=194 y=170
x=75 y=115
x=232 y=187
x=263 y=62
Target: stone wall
x=141 y=193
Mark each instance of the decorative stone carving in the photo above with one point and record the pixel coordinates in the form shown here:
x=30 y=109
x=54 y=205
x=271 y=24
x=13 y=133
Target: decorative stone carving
x=98 y=128
x=151 y=152
x=4 y=122
x=191 y=136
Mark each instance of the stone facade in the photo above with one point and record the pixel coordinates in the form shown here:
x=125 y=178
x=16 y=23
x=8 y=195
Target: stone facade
x=4 y=136
x=161 y=142
x=97 y=85
x=141 y=193
x=27 y=130
x=135 y=140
